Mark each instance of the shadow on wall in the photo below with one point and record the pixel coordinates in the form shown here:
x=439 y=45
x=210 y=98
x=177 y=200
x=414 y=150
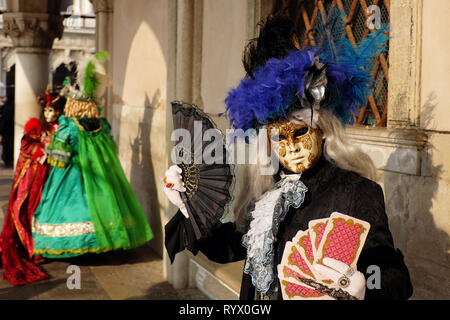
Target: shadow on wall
x=141 y=34
x=410 y=204
x=129 y=54
x=142 y=173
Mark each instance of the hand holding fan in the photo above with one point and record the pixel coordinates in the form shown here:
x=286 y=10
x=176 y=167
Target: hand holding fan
x=208 y=183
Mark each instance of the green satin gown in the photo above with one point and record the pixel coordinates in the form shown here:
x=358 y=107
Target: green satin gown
x=87 y=205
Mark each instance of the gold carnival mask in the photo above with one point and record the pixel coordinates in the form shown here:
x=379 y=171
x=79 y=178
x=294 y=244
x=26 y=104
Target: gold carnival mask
x=50 y=115
x=298 y=146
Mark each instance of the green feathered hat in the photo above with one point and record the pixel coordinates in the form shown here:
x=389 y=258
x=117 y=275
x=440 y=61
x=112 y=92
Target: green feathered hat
x=92 y=79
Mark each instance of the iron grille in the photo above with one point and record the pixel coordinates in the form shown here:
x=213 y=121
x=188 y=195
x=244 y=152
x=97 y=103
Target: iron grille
x=305 y=14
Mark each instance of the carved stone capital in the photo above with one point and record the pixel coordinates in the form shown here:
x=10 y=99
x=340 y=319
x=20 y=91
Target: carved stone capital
x=32 y=30
x=102 y=6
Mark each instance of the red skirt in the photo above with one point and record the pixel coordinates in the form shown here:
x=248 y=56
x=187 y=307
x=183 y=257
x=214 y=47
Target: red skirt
x=16 y=241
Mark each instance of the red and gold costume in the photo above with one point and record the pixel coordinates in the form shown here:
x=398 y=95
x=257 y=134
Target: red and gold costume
x=16 y=242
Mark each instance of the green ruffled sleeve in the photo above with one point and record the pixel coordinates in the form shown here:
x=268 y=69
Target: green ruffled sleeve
x=60 y=151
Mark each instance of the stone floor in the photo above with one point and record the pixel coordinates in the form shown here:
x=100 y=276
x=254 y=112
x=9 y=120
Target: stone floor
x=134 y=274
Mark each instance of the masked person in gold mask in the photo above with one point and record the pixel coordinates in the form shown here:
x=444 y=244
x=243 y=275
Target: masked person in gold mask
x=300 y=97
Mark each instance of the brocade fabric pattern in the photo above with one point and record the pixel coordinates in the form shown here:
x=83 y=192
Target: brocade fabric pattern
x=63 y=229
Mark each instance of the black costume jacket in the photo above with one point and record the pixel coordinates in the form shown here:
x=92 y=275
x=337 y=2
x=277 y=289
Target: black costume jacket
x=330 y=189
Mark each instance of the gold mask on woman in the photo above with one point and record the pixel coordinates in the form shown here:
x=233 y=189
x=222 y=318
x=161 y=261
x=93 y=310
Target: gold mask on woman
x=50 y=114
x=298 y=146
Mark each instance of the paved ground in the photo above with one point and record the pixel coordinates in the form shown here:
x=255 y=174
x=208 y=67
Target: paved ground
x=134 y=274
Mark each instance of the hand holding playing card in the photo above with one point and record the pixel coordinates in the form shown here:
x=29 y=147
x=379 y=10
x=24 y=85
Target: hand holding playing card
x=320 y=263
x=348 y=279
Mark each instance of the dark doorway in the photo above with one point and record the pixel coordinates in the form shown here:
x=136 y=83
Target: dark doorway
x=7 y=120
x=60 y=74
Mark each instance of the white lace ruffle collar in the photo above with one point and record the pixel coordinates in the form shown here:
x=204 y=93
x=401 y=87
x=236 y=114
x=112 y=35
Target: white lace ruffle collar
x=266 y=217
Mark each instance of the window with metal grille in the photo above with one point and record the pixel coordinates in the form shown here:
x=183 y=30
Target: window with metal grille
x=305 y=14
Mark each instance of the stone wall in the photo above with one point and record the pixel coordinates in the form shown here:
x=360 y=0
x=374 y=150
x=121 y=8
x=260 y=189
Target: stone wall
x=139 y=68
x=191 y=50
x=423 y=202
x=412 y=153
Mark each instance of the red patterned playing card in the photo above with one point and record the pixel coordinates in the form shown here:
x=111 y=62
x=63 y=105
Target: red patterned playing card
x=296 y=260
x=340 y=237
x=303 y=243
x=290 y=275
x=316 y=230
x=294 y=291
x=302 y=240
x=343 y=239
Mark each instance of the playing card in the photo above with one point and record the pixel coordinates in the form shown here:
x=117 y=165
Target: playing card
x=292 y=289
x=294 y=265
x=290 y=275
x=303 y=243
x=343 y=239
x=316 y=230
x=302 y=240
x=296 y=260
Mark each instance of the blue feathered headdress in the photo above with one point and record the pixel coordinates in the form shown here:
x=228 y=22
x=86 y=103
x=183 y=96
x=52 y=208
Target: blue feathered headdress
x=266 y=97
x=276 y=85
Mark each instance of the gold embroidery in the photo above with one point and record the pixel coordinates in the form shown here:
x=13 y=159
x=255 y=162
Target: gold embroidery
x=13 y=214
x=83 y=250
x=56 y=163
x=80 y=108
x=25 y=168
x=24 y=155
x=70 y=250
x=191 y=177
x=63 y=229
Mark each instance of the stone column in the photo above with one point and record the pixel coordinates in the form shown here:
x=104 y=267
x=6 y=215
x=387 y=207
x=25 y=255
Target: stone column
x=405 y=48
x=104 y=42
x=256 y=10
x=32 y=35
x=179 y=87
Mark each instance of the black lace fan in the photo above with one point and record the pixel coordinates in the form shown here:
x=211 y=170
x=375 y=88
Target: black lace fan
x=201 y=153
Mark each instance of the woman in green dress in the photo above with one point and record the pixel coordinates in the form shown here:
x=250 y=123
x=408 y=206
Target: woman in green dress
x=87 y=205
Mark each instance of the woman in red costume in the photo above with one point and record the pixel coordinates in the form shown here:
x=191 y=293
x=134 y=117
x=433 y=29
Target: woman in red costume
x=16 y=243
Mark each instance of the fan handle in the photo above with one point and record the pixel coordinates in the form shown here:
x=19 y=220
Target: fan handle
x=197 y=232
